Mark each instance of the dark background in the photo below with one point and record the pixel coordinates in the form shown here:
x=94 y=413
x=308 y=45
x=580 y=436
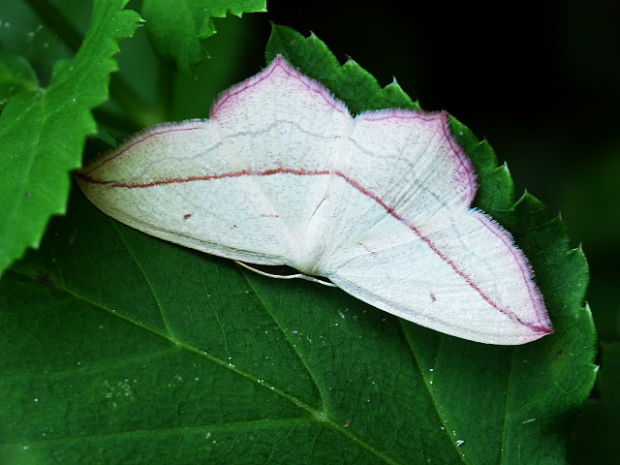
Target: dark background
x=541 y=81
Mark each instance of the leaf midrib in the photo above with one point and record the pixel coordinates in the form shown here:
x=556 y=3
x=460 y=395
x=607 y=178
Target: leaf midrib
x=177 y=429
x=442 y=419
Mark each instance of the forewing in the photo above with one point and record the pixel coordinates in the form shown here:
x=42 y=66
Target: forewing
x=241 y=185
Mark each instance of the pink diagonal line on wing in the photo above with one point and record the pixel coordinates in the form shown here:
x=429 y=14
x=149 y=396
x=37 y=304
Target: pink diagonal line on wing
x=355 y=184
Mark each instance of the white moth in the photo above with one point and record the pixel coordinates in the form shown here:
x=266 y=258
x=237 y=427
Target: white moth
x=379 y=204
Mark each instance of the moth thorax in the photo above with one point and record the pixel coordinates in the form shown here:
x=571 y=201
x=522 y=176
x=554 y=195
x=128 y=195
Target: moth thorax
x=313 y=242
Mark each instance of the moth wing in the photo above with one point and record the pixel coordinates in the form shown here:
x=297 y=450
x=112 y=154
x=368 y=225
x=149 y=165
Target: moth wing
x=241 y=185
x=465 y=278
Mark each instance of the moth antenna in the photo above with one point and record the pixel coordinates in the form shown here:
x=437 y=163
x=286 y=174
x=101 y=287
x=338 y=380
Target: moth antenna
x=288 y=276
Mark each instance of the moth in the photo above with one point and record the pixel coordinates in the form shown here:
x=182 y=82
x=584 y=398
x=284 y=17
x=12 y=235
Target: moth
x=379 y=204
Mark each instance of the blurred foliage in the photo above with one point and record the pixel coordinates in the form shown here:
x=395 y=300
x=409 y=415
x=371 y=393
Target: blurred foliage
x=43 y=130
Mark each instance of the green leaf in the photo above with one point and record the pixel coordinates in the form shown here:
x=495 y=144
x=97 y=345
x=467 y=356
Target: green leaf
x=121 y=348
x=177 y=29
x=16 y=76
x=595 y=440
x=42 y=132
